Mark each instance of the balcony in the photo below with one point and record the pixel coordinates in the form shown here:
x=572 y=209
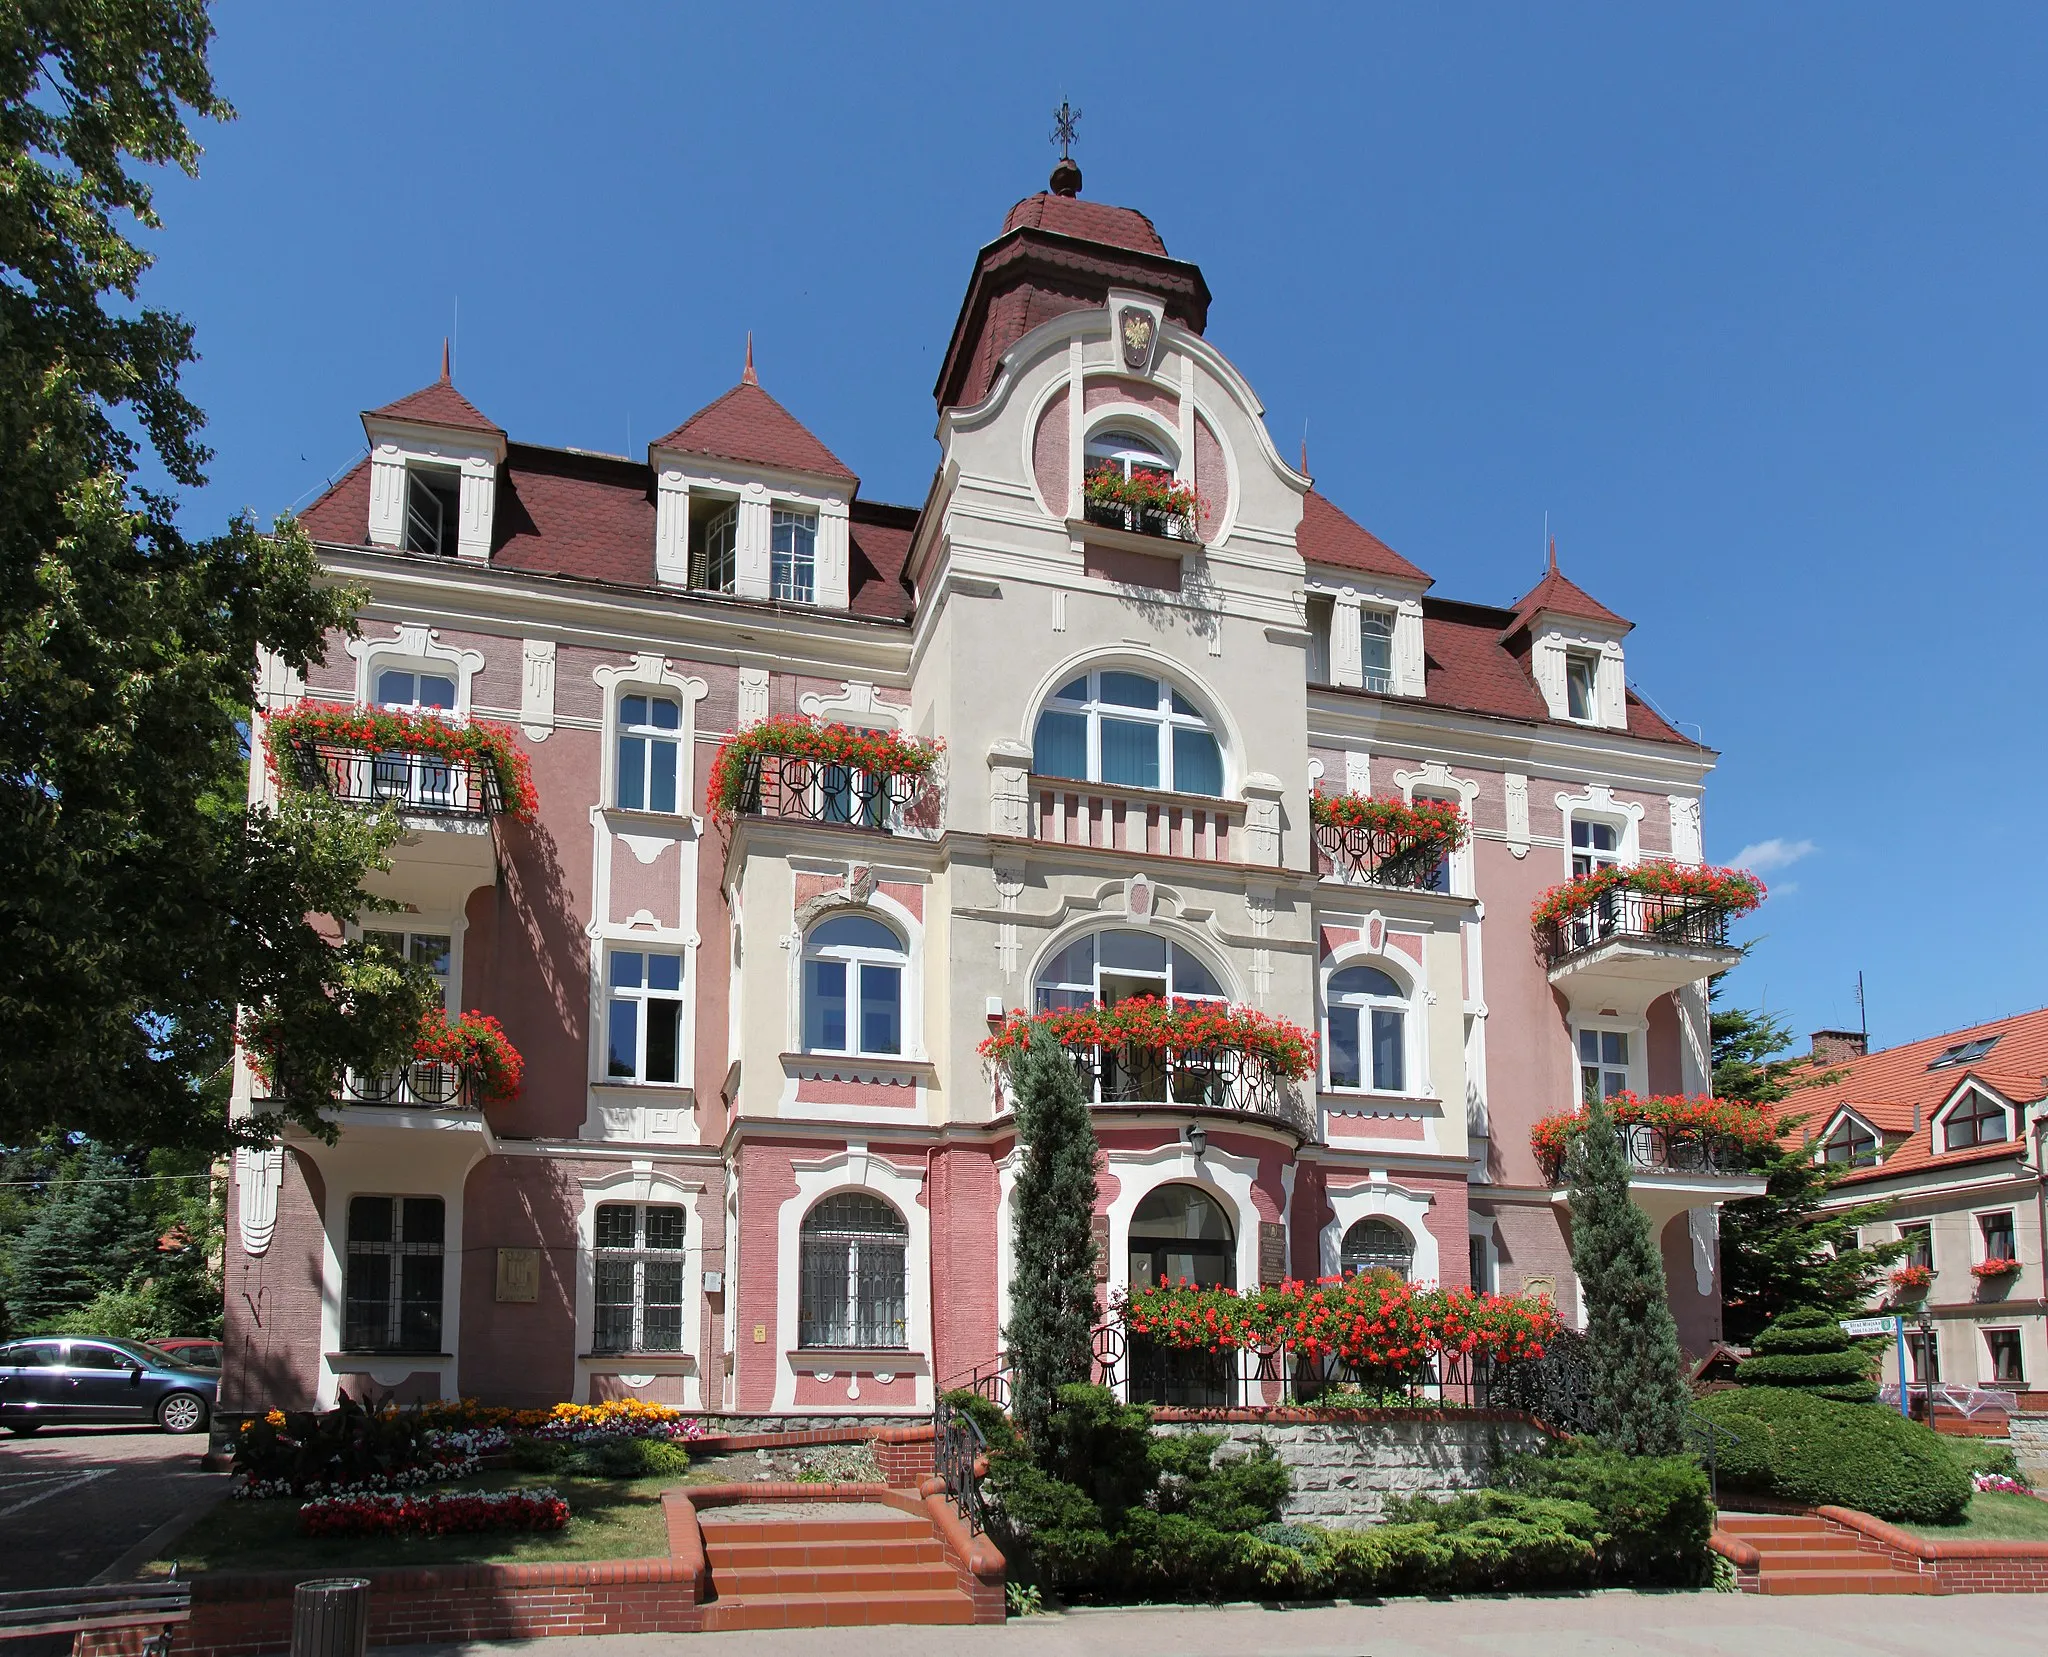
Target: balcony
x=1623 y=947
x=797 y=788
x=425 y=1084
x=1136 y=520
x=1682 y=1152
x=1140 y=820
x=1230 y=1080
x=418 y=783
x=1358 y=856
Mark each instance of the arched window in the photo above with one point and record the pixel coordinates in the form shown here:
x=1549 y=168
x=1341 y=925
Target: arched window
x=1365 y=1031
x=1104 y=968
x=1127 y=452
x=1976 y=1119
x=851 y=1268
x=1129 y=729
x=1851 y=1142
x=1180 y=1231
x=718 y=562
x=1377 y=1246
x=639 y=1258
x=853 y=987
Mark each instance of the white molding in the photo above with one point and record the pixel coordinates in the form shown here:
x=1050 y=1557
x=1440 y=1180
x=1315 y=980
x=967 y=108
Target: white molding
x=857 y=704
x=643 y=1182
x=1598 y=802
x=537 y=688
x=413 y=644
x=397 y=445
x=1379 y=1196
x=258 y=1177
x=1227 y=1178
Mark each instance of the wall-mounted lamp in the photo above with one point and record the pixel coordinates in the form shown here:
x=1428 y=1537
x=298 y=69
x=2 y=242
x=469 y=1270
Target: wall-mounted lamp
x=1197 y=1137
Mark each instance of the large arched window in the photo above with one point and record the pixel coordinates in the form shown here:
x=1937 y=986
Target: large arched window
x=851 y=1267
x=1128 y=729
x=1127 y=452
x=1377 y=1245
x=1180 y=1231
x=1104 y=968
x=853 y=987
x=1365 y=1031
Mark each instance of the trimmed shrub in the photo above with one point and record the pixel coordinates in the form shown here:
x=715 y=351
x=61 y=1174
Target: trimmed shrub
x=538 y=1455
x=638 y=1458
x=1799 y=1447
x=1655 y=1512
x=1806 y=1349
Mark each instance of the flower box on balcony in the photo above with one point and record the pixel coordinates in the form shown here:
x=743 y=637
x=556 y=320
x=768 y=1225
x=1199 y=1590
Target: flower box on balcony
x=822 y=773
x=1144 y=503
x=418 y=762
x=1912 y=1281
x=1667 y=1133
x=1383 y=842
x=457 y=1064
x=1655 y=903
x=1994 y=1271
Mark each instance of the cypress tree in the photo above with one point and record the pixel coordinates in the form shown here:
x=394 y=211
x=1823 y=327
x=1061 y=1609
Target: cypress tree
x=1639 y=1398
x=1052 y=1285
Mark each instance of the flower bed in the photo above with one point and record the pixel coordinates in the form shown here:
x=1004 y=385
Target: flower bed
x=1679 y=1115
x=573 y=1423
x=1725 y=891
x=1384 y=1329
x=1992 y=1271
x=475 y=1044
x=878 y=753
x=1912 y=1280
x=350 y=1451
x=444 y=1513
x=1149 y=1021
x=379 y=731
x=1148 y=494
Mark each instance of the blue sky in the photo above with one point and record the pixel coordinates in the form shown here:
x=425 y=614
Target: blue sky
x=1747 y=298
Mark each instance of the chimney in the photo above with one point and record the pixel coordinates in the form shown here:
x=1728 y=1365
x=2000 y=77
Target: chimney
x=1839 y=1046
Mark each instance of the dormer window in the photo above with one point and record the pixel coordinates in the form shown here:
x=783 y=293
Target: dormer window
x=1851 y=1143
x=716 y=566
x=1975 y=1119
x=1581 y=686
x=1376 y=649
x=793 y=557
x=433 y=509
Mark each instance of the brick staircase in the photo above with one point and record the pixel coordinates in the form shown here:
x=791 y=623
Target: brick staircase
x=1805 y=1554
x=821 y=1570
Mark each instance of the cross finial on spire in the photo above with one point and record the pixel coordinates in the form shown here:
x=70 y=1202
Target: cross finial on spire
x=747 y=373
x=1065 y=122
x=444 y=359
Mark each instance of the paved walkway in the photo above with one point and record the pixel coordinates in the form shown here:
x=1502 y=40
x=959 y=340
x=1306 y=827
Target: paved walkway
x=75 y=1501
x=1596 y=1625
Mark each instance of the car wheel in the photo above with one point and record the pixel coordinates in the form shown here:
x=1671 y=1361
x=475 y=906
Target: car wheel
x=182 y=1412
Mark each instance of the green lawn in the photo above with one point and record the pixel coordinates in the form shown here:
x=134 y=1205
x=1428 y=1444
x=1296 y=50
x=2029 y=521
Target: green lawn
x=609 y=1519
x=1994 y=1516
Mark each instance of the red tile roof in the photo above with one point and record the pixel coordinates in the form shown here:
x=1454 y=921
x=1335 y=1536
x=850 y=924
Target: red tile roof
x=1565 y=598
x=1329 y=536
x=1886 y=1088
x=1087 y=221
x=747 y=424
x=439 y=404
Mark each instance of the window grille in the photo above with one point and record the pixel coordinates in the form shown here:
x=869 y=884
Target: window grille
x=851 y=1264
x=392 y=1293
x=640 y=1259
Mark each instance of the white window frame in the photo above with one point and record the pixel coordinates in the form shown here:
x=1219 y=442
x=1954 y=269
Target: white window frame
x=856 y=960
x=800 y=583
x=1926 y=1227
x=1636 y=1035
x=1582 y=670
x=650 y=736
x=1980 y=1243
x=1127 y=449
x=1163 y=716
x=1408 y=1005
x=1377 y=622
x=899 y=1243
x=1962 y=1097
x=639 y=1256
x=447 y=527
x=641 y=995
x=407 y=932
x=1392 y=1224
x=1990 y=1369
x=721 y=551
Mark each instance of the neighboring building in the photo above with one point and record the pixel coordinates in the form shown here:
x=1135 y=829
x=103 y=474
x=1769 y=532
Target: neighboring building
x=758 y=1164
x=1950 y=1131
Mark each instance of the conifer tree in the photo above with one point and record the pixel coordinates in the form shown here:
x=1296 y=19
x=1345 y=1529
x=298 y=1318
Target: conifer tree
x=1806 y=1349
x=1639 y=1398
x=1052 y=1285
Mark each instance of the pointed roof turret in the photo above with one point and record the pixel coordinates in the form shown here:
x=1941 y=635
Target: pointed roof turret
x=747 y=424
x=438 y=404
x=1562 y=597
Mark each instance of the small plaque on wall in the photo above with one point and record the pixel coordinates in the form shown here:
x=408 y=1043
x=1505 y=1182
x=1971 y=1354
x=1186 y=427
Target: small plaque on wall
x=1543 y=1287
x=1098 y=1228
x=1272 y=1253
x=519 y=1274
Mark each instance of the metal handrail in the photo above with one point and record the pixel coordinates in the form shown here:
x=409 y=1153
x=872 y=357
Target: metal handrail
x=1226 y=1079
x=416 y=781
x=795 y=787
x=960 y=1461
x=1631 y=916
x=1360 y=856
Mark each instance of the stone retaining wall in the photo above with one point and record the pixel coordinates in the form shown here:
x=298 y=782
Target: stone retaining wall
x=1346 y=1466
x=2030 y=1444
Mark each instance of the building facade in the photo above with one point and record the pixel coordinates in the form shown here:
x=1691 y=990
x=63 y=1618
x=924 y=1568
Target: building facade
x=758 y=1163
x=1949 y=1132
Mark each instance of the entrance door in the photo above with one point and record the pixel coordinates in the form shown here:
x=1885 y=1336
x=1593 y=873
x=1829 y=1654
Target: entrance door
x=1180 y=1232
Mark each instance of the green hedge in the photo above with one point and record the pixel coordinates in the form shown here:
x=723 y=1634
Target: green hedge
x=1799 y=1447
x=1655 y=1512
x=1805 y=1348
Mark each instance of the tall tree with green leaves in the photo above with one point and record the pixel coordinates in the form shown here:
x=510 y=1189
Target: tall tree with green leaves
x=1784 y=1249
x=143 y=903
x=1052 y=1283
x=1639 y=1397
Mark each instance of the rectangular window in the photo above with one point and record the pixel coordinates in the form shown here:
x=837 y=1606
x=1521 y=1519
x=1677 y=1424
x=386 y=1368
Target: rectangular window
x=422 y=949
x=1998 y=1236
x=1130 y=751
x=1923 y=1353
x=1389 y=1062
x=1581 y=682
x=1603 y=1064
x=649 y=743
x=2003 y=1348
x=793 y=556
x=1345 y=1070
x=645 y=1018
x=1376 y=650
x=1061 y=746
x=1480 y=1264
x=391 y=1296
x=1919 y=1241
x=433 y=510
x=878 y=991
x=1595 y=845
x=1320 y=612
x=404 y=691
x=639 y=1257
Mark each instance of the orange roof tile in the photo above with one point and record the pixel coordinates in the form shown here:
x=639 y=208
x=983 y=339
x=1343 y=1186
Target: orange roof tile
x=1565 y=598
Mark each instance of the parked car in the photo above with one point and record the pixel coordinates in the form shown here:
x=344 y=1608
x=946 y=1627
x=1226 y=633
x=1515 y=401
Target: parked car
x=202 y=1350
x=58 y=1379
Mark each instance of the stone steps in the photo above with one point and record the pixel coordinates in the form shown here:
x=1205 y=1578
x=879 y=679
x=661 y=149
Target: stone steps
x=823 y=1571
x=1805 y=1554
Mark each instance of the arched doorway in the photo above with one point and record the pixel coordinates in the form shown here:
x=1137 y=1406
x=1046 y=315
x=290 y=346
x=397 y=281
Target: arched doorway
x=1180 y=1231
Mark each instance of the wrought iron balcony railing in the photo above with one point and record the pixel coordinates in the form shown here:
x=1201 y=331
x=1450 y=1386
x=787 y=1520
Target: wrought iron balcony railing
x=415 y=781
x=1630 y=916
x=1136 y=520
x=1228 y=1079
x=425 y=1084
x=1373 y=857
x=1660 y=1151
x=808 y=790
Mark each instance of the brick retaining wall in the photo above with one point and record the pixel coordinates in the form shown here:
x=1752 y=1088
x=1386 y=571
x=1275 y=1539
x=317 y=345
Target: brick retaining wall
x=1963 y=1565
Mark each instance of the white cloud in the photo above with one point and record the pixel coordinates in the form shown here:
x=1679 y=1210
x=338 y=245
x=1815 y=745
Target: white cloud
x=1773 y=853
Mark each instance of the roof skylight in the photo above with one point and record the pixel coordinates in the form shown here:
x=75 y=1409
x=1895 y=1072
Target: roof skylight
x=1965 y=1052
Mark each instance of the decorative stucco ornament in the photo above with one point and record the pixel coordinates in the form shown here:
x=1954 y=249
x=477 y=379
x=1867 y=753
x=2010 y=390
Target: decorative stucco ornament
x=258 y=1177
